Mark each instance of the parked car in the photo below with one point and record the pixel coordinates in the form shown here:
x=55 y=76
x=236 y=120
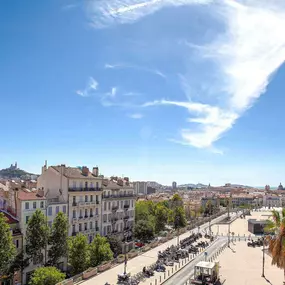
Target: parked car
x=139 y=244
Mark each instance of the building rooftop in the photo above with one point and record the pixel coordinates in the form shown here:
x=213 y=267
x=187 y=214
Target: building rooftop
x=74 y=172
x=10 y=220
x=26 y=195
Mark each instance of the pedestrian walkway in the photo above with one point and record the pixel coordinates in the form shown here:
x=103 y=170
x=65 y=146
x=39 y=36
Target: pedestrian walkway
x=136 y=264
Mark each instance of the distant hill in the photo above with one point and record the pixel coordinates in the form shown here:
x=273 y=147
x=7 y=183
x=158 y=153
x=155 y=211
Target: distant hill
x=199 y=185
x=10 y=173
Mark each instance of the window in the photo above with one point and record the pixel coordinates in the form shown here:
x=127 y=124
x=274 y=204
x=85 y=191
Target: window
x=86 y=215
x=57 y=209
x=34 y=205
x=96 y=224
x=132 y=203
x=86 y=184
x=80 y=214
x=17 y=243
x=90 y=225
x=81 y=184
x=91 y=213
x=74 y=214
x=105 y=232
x=96 y=211
x=74 y=184
x=27 y=205
x=85 y=226
x=64 y=209
x=50 y=223
x=121 y=204
x=80 y=227
x=73 y=228
x=109 y=205
x=105 y=218
x=27 y=219
x=91 y=198
x=50 y=211
x=42 y=204
x=74 y=199
x=105 y=206
x=97 y=185
x=86 y=198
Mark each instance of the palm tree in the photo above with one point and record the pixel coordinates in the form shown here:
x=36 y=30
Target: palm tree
x=277 y=242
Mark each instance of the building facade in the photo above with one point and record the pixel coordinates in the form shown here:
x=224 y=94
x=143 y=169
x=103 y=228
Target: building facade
x=140 y=187
x=82 y=190
x=118 y=209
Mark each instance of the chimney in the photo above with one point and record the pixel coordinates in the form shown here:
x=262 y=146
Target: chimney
x=85 y=170
x=95 y=171
x=120 y=182
x=105 y=182
x=44 y=168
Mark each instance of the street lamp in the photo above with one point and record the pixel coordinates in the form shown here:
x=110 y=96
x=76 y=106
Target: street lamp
x=263 y=252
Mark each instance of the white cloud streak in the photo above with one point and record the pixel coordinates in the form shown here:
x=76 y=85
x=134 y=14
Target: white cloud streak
x=245 y=55
x=104 y=12
x=92 y=86
x=136 y=116
x=131 y=66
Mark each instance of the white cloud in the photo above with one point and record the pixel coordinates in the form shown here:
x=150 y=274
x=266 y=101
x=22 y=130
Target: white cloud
x=132 y=66
x=104 y=12
x=244 y=56
x=92 y=86
x=136 y=116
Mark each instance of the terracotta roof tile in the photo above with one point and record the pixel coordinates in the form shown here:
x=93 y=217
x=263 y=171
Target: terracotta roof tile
x=26 y=196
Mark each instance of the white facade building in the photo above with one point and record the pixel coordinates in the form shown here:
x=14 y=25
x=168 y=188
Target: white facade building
x=272 y=201
x=118 y=209
x=82 y=190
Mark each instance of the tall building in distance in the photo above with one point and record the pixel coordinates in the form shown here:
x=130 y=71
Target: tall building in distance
x=174 y=185
x=140 y=187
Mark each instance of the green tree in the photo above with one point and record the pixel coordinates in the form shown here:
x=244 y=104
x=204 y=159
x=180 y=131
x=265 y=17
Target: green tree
x=179 y=219
x=141 y=211
x=7 y=248
x=46 y=276
x=115 y=245
x=58 y=239
x=19 y=263
x=277 y=242
x=78 y=253
x=37 y=235
x=144 y=230
x=100 y=251
x=161 y=215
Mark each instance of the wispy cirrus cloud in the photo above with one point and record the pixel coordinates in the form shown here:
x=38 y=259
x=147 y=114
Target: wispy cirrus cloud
x=240 y=59
x=136 y=116
x=91 y=86
x=131 y=66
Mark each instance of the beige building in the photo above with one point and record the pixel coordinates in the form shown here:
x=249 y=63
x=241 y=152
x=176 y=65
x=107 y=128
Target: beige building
x=118 y=208
x=82 y=190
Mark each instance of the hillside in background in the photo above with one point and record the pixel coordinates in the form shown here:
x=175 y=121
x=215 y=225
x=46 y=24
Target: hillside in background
x=10 y=173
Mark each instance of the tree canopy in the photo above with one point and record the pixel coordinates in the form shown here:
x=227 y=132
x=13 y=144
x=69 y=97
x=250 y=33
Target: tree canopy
x=144 y=230
x=58 y=239
x=78 y=253
x=100 y=251
x=7 y=248
x=37 y=234
x=46 y=276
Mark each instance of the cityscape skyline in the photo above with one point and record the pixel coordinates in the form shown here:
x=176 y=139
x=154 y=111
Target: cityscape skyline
x=136 y=92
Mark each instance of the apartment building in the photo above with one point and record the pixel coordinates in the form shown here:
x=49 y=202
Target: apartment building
x=118 y=209
x=82 y=191
x=272 y=201
x=140 y=187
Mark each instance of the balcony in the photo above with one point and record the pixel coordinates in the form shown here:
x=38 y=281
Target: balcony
x=86 y=216
x=97 y=202
x=97 y=229
x=84 y=189
x=74 y=219
x=91 y=216
x=126 y=217
x=114 y=208
x=119 y=196
x=16 y=231
x=74 y=233
x=126 y=206
x=84 y=203
x=80 y=217
x=74 y=204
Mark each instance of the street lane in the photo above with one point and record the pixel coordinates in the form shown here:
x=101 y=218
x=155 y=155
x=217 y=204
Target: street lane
x=186 y=272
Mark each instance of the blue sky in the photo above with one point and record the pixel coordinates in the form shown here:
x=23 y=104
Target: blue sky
x=184 y=90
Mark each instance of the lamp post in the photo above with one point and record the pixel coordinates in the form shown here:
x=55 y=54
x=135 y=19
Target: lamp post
x=263 y=252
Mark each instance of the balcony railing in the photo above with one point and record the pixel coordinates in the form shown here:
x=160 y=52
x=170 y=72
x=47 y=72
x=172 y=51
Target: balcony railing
x=81 y=189
x=126 y=217
x=126 y=206
x=115 y=208
x=130 y=195
x=74 y=204
x=74 y=233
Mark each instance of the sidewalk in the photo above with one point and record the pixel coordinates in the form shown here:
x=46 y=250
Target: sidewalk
x=136 y=264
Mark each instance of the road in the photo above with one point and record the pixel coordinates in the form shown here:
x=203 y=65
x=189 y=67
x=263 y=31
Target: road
x=136 y=264
x=186 y=272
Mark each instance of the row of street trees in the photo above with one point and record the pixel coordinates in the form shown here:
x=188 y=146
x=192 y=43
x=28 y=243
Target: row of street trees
x=55 y=244
x=151 y=218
